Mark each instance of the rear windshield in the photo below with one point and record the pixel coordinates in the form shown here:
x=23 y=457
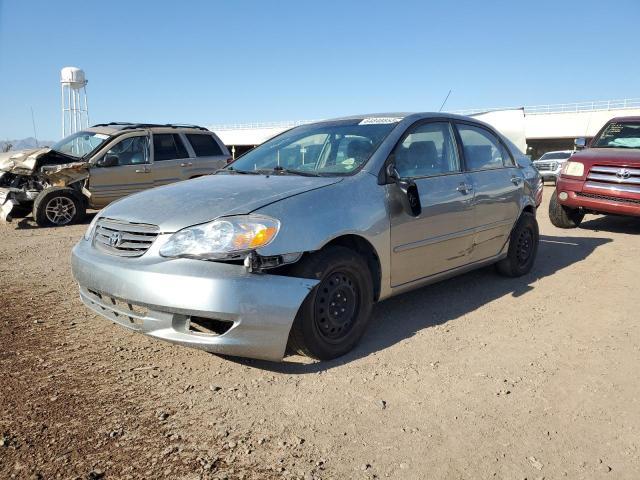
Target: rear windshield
x=555 y=156
x=327 y=149
x=619 y=135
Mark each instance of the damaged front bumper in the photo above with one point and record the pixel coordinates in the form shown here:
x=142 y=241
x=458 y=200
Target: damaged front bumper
x=12 y=197
x=20 y=186
x=165 y=298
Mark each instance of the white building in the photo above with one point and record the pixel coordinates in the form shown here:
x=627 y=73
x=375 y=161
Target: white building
x=546 y=127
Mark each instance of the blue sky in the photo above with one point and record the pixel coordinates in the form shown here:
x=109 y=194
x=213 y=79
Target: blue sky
x=234 y=61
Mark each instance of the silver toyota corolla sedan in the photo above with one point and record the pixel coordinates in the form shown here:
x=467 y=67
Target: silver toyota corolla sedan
x=291 y=244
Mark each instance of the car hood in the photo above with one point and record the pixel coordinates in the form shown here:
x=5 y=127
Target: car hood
x=619 y=157
x=179 y=205
x=21 y=161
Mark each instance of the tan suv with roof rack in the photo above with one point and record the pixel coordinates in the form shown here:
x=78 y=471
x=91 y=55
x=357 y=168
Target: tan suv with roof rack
x=96 y=166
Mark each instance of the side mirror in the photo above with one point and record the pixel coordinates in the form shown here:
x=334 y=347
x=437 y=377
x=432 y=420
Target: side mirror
x=108 y=161
x=580 y=143
x=411 y=197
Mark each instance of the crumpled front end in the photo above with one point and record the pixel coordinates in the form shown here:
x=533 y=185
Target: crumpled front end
x=23 y=175
x=218 y=307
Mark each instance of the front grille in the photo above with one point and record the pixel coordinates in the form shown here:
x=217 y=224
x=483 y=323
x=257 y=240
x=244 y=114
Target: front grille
x=546 y=166
x=608 y=198
x=615 y=175
x=124 y=239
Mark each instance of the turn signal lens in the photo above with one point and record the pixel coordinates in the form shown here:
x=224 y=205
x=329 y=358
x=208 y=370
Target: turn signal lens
x=263 y=237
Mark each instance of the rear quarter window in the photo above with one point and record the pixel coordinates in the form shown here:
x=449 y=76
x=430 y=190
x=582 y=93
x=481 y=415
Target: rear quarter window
x=204 y=145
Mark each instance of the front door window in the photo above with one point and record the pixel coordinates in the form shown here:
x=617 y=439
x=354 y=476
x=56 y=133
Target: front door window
x=130 y=151
x=427 y=151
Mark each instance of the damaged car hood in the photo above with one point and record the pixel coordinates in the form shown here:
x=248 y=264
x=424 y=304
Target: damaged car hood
x=58 y=168
x=179 y=205
x=21 y=161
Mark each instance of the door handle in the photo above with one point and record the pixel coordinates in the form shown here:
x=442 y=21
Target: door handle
x=464 y=188
x=516 y=180
x=186 y=164
x=142 y=170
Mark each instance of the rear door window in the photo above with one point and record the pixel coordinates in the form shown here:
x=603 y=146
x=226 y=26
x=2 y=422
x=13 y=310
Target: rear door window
x=482 y=149
x=168 y=146
x=204 y=145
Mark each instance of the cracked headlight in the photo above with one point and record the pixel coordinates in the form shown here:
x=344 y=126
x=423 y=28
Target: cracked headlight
x=223 y=238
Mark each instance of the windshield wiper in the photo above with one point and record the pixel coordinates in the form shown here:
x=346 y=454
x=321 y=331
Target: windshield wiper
x=243 y=172
x=303 y=173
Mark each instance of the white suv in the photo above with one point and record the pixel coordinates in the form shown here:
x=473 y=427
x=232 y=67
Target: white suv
x=550 y=164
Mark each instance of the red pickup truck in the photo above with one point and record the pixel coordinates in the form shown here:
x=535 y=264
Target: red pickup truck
x=604 y=178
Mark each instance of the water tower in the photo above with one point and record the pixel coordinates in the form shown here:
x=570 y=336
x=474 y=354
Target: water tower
x=75 y=112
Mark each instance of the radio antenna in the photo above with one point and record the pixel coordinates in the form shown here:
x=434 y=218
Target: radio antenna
x=445 y=101
x=33 y=122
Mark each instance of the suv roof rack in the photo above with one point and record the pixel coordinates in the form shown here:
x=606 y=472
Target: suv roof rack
x=129 y=125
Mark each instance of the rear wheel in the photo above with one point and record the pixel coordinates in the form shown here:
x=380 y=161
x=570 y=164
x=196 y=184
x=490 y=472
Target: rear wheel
x=561 y=216
x=335 y=314
x=523 y=247
x=55 y=207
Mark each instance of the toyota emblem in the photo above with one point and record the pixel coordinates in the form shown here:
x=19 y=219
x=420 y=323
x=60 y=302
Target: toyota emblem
x=623 y=173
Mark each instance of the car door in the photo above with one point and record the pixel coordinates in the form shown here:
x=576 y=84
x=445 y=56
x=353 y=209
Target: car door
x=170 y=159
x=122 y=170
x=440 y=237
x=208 y=155
x=498 y=184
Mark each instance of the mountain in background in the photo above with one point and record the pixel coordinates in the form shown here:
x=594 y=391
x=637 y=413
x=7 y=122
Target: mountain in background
x=24 y=143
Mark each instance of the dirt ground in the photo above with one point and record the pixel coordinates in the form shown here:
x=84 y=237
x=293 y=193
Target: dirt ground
x=476 y=377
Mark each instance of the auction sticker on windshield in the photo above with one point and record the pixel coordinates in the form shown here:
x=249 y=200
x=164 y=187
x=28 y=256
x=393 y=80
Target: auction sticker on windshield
x=379 y=120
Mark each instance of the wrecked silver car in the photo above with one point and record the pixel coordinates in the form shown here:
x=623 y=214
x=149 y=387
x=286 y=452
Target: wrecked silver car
x=291 y=244
x=94 y=167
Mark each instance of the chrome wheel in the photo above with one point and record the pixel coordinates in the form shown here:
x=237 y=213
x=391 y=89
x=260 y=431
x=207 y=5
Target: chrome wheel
x=60 y=210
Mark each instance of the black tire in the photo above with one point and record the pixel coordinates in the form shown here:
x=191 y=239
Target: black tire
x=58 y=206
x=523 y=247
x=561 y=216
x=317 y=331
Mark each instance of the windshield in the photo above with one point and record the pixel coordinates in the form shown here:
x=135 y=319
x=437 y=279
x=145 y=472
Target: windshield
x=80 y=144
x=619 y=135
x=326 y=149
x=555 y=156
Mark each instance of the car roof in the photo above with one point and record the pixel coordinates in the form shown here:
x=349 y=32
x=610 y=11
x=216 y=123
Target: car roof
x=559 y=151
x=402 y=116
x=118 y=127
x=625 y=119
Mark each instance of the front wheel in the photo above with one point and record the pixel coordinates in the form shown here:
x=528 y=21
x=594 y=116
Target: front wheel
x=335 y=314
x=55 y=207
x=561 y=216
x=523 y=247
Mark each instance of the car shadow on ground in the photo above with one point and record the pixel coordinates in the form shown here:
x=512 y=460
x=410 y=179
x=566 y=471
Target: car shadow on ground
x=613 y=224
x=401 y=317
x=28 y=223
